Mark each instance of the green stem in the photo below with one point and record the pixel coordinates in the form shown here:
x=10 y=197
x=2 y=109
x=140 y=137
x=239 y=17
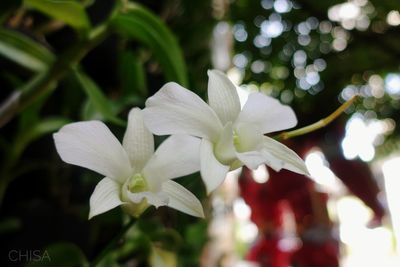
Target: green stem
x=46 y=81
x=113 y=243
x=319 y=124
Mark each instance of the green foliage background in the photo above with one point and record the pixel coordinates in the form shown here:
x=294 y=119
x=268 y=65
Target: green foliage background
x=64 y=61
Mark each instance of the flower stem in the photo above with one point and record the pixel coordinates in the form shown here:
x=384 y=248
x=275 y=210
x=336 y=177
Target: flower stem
x=111 y=245
x=319 y=124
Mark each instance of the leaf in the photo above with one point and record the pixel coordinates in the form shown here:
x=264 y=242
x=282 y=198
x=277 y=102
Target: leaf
x=131 y=74
x=167 y=238
x=89 y=112
x=71 y=12
x=45 y=126
x=9 y=225
x=140 y=24
x=137 y=243
x=196 y=234
x=6 y=8
x=24 y=51
x=58 y=255
x=97 y=98
x=130 y=101
x=31 y=115
x=109 y=261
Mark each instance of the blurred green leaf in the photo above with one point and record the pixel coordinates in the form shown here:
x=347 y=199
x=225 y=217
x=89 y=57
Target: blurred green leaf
x=24 y=51
x=97 y=98
x=9 y=224
x=137 y=245
x=44 y=127
x=167 y=239
x=7 y=7
x=129 y=101
x=31 y=115
x=109 y=261
x=196 y=234
x=60 y=255
x=131 y=74
x=89 y=112
x=140 y=24
x=71 y=12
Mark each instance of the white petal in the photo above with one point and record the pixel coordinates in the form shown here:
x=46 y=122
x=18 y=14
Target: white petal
x=212 y=171
x=288 y=158
x=176 y=110
x=182 y=199
x=177 y=156
x=105 y=197
x=138 y=140
x=91 y=144
x=249 y=137
x=274 y=154
x=156 y=199
x=252 y=159
x=268 y=113
x=222 y=96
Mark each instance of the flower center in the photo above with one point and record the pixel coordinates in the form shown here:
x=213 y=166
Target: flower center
x=236 y=139
x=137 y=184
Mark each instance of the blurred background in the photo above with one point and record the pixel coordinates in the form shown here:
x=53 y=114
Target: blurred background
x=64 y=61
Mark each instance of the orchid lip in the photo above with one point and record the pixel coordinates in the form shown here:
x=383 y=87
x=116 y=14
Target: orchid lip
x=137 y=184
x=226 y=157
x=236 y=140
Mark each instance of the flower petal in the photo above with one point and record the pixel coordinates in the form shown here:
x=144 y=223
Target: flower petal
x=156 y=199
x=274 y=154
x=268 y=113
x=212 y=171
x=90 y=144
x=176 y=110
x=177 y=156
x=138 y=140
x=222 y=96
x=182 y=199
x=290 y=160
x=105 y=197
x=252 y=159
x=249 y=137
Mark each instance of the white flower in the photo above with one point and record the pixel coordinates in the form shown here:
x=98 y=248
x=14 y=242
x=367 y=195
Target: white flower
x=136 y=176
x=231 y=137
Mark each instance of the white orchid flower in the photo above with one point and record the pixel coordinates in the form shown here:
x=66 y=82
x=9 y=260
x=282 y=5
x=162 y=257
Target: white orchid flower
x=231 y=137
x=136 y=176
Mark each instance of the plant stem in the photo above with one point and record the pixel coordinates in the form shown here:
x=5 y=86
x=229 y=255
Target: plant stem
x=111 y=245
x=46 y=81
x=319 y=124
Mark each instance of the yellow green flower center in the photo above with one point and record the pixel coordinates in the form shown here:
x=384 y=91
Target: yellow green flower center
x=137 y=184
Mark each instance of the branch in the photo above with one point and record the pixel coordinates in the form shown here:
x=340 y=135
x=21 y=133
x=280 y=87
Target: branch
x=319 y=124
